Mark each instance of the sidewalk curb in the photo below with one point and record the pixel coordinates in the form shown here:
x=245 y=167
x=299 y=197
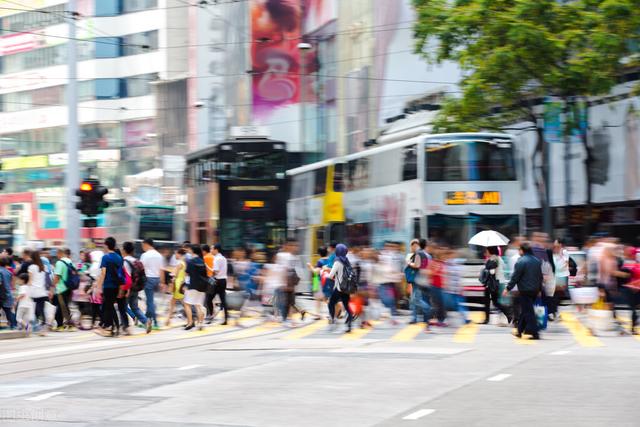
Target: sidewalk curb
x=7 y=335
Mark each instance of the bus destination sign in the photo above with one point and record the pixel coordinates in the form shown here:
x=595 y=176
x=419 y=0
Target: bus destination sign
x=472 y=198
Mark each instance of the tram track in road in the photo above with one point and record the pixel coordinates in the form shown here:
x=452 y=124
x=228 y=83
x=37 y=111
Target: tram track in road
x=21 y=366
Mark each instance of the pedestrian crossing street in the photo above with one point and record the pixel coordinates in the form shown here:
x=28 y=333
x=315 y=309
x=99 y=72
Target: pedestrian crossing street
x=380 y=330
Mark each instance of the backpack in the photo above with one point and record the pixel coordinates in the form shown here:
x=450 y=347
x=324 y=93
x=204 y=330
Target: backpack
x=292 y=279
x=349 y=282
x=424 y=263
x=3 y=290
x=73 y=278
x=573 y=267
x=48 y=280
x=138 y=276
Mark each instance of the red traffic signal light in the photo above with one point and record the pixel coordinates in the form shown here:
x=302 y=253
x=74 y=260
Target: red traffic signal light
x=86 y=186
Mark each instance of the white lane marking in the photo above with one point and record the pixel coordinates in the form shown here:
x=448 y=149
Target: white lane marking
x=560 y=353
x=419 y=414
x=499 y=377
x=44 y=396
x=186 y=368
x=61 y=349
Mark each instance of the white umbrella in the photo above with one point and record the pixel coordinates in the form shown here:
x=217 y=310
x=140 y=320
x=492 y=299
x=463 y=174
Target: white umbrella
x=489 y=238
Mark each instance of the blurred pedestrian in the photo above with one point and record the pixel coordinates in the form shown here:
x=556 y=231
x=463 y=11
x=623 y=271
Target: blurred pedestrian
x=494 y=275
x=135 y=269
x=416 y=275
x=392 y=273
x=220 y=268
x=454 y=291
x=177 y=291
x=320 y=293
x=208 y=257
x=337 y=274
x=631 y=289
x=6 y=292
x=561 y=263
x=110 y=279
x=25 y=306
x=527 y=275
x=194 y=294
x=62 y=293
x=437 y=278
x=153 y=265
x=286 y=294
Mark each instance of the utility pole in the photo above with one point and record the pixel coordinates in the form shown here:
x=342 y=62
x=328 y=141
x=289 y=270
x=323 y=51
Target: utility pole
x=567 y=164
x=72 y=176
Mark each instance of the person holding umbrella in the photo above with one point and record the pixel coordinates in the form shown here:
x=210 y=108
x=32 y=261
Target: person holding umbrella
x=493 y=272
x=492 y=276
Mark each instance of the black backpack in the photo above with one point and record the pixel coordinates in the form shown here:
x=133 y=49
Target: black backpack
x=573 y=267
x=73 y=278
x=349 y=282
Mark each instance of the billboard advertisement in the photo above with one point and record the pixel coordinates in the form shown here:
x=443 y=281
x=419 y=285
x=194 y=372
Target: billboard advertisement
x=276 y=60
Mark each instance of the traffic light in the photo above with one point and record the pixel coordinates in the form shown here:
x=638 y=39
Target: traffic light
x=91 y=195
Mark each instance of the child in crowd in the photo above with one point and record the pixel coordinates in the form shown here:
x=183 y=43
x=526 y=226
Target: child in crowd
x=26 y=306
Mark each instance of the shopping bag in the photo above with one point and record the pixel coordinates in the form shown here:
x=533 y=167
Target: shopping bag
x=540 y=311
x=49 y=312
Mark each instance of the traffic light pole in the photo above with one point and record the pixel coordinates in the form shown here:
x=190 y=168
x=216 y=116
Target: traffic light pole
x=72 y=175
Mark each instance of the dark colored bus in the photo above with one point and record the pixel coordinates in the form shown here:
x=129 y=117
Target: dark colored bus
x=237 y=193
x=6 y=233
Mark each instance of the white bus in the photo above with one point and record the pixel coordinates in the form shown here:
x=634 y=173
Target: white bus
x=445 y=187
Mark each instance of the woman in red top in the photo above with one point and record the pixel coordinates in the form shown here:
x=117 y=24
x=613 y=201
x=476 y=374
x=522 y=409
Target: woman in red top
x=437 y=275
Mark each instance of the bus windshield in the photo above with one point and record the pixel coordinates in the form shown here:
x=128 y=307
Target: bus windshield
x=473 y=158
x=252 y=165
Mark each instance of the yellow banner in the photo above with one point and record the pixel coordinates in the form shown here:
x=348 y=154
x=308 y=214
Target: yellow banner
x=26 y=162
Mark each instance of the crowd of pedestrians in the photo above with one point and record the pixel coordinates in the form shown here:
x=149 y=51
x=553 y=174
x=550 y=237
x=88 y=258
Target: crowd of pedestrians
x=524 y=281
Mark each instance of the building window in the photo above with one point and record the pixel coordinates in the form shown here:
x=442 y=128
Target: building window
x=138 y=5
x=135 y=44
x=108 y=47
x=44 y=57
x=140 y=85
x=108 y=7
x=101 y=135
x=108 y=88
x=41 y=18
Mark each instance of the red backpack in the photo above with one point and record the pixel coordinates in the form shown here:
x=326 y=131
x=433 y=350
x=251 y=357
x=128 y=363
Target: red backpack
x=138 y=276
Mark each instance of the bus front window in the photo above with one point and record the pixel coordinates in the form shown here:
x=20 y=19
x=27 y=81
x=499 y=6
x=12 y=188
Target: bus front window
x=459 y=159
x=268 y=165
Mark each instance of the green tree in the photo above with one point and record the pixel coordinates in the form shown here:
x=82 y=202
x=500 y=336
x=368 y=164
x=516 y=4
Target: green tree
x=515 y=52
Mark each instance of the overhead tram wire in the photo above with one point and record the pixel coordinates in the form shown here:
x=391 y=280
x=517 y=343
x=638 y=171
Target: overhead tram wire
x=181 y=138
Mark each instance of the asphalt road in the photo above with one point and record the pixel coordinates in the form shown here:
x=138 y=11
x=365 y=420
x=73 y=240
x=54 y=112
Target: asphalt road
x=262 y=374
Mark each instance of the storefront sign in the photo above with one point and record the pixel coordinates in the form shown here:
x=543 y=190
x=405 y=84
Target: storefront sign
x=26 y=162
x=86 y=156
x=472 y=198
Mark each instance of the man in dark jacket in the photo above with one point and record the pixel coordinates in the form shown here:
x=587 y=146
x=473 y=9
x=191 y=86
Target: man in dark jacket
x=527 y=274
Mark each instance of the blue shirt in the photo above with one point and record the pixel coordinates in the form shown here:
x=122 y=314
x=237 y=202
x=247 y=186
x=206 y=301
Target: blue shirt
x=6 y=281
x=113 y=263
x=331 y=260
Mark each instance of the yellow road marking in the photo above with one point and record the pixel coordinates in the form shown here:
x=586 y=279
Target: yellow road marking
x=408 y=333
x=476 y=316
x=524 y=341
x=306 y=330
x=580 y=332
x=466 y=333
x=254 y=331
x=357 y=333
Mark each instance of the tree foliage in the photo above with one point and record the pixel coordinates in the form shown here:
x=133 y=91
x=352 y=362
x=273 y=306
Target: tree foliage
x=514 y=51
